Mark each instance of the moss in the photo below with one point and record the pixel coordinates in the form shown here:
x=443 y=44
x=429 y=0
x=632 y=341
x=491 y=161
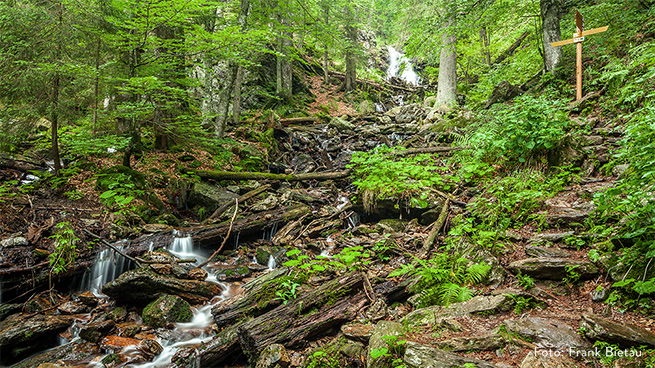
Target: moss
x=111 y=358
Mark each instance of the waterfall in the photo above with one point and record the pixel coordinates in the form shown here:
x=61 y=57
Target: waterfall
x=271 y=262
x=397 y=61
x=107 y=267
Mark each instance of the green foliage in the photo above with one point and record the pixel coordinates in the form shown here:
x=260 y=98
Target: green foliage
x=65 y=251
x=380 y=174
x=526 y=132
x=287 y=291
x=525 y=281
x=394 y=350
x=521 y=303
x=443 y=278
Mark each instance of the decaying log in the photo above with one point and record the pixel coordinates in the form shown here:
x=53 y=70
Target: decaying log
x=221 y=347
x=305 y=317
x=510 y=50
x=306 y=119
x=230 y=175
x=20 y=162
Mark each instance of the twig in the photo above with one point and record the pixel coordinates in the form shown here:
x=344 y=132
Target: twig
x=138 y=264
x=453 y=200
x=219 y=211
x=236 y=207
x=367 y=282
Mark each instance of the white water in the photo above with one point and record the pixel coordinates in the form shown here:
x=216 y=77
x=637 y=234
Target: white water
x=271 y=263
x=269 y=234
x=107 y=267
x=398 y=61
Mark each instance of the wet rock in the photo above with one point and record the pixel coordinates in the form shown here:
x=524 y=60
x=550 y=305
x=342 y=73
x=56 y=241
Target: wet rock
x=377 y=341
x=21 y=335
x=143 y=285
x=624 y=334
x=232 y=273
x=93 y=332
x=487 y=342
x=78 y=351
x=353 y=349
x=549 y=333
x=410 y=113
x=166 y=309
x=198 y=274
x=554 y=268
x=535 y=251
x=547 y=360
x=128 y=329
x=273 y=356
x=150 y=348
x=115 y=343
x=72 y=308
x=424 y=356
x=358 y=331
x=209 y=196
x=436 y=315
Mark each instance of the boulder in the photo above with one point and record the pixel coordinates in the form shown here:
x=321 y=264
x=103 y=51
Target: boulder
x=554 y=268
x=377 y=341
x=209 y=196
x=566 y=216
x=166 y=309
x=503 y=91
x=341 y=124
x=142 y=285
x=548 y=359
x=358 y=331
x=488 y=342
x=20 y=335
x=436 y=315
x=424 y=356
x=232 y=273
x=366 y=107
x=536 y=251
x=94 y=331
x=624 y=334
x=273 y=356
x=550 y=333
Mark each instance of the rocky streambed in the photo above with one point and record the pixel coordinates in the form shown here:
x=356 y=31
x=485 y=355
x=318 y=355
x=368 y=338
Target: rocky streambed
x=246 y=308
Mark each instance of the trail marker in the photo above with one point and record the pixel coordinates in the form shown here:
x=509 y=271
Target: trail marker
x=578 y=38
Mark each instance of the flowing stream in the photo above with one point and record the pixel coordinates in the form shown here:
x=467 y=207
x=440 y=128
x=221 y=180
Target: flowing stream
x=401 y=67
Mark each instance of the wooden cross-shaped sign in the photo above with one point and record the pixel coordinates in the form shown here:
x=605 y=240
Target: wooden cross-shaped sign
x=578 y=38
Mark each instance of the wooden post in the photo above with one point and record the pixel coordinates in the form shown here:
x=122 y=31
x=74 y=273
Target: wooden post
x=578 y=38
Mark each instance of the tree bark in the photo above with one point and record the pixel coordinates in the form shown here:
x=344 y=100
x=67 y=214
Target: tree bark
x=54 y=117
x=550 y=17
x=447 y=84
x=351 y=62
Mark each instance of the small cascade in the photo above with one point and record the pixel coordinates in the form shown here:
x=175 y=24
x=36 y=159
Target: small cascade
x=352 y=221
x=271 y=263
x=270 y=233
x=191 y=333
x=182 y=246
x=327 y=252
x=397 y=61
x=107 y=267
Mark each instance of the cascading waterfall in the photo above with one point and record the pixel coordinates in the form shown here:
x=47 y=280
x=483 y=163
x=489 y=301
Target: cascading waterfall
x=107 y=267
x=271 y=262
x=397 y=61
x=269 y=234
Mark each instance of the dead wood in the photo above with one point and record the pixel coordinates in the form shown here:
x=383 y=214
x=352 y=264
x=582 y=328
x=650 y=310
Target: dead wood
x=230 y=175
x=219 y=211
x=306 y=119
x=436 y=226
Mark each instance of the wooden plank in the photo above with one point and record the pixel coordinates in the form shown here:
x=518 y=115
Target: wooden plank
x=578 y=77
x=579 y=23
x=595 y=30
x=562 y=43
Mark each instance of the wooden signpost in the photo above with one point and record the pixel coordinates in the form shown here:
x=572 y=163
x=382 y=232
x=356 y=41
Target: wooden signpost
x=578 y=38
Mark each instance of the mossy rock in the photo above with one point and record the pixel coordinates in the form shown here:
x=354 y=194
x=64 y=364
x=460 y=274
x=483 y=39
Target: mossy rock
x=121 y=174
x=166 y=309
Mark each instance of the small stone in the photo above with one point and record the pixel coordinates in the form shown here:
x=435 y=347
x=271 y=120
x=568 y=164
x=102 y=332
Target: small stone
x=599 y=295
x=72 y=308
x=93 y=332
x=273 y=356
x=198 y=274
x=88 y=298
x=358 y=331
x=17 y=241
x=166 y=309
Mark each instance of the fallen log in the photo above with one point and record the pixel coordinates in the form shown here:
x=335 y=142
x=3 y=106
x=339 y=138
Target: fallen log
x=20 y=162
x=231 y=175
x=305 y=119
x=510 y=50
x=306 y=317
x=436 y=226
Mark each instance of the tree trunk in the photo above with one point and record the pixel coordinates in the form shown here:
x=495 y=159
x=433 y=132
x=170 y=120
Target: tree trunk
x=484 y=38
x=54 y=117
x=236 y=104
x=96 y=87
x=447 y=85
x=326 y=60
x=351 y=61
x=550 y=16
